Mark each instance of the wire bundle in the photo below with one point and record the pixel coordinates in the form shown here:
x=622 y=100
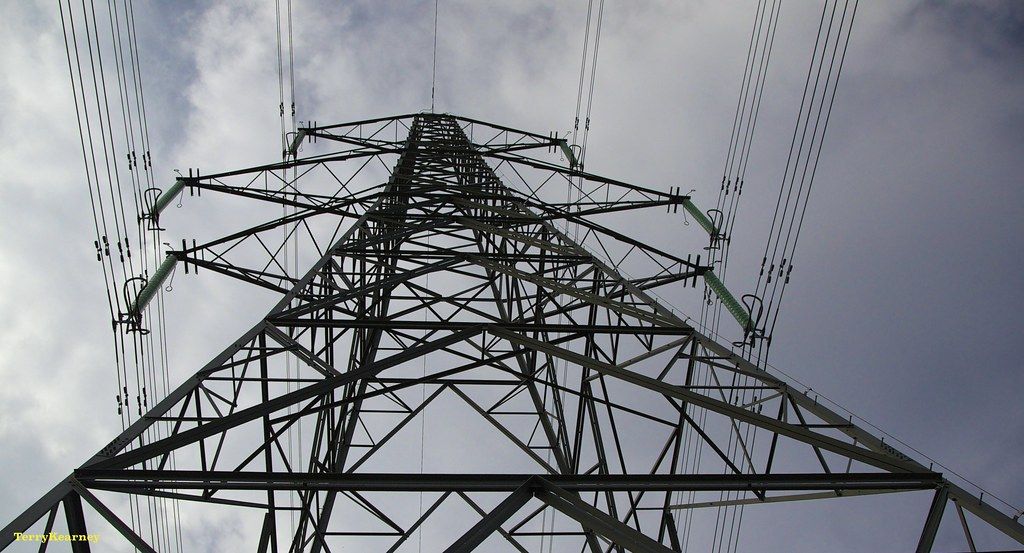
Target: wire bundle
x=728 y=519
x=290 y=235
x=102 y=54
x=834 y=30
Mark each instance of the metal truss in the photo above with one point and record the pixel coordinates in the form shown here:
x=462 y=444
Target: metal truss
x=449 y=291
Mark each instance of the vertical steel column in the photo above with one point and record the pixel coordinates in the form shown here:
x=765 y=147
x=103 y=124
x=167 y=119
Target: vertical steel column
x=76 y=521
x=931 y=524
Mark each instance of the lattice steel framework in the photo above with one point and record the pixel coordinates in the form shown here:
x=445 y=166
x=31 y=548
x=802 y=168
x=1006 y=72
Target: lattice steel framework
x=455 y=291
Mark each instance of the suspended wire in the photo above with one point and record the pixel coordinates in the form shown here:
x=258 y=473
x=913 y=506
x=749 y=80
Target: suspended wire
x=295 y=209
x=784 y=190
x=146 y=349
x=95 y=202
x=433 y=71
x=732 y=515
x=741 y=140
x=706 y=308
x=583 y=71
x=147 y=165
x=148 y=157
x=137 y=88
x=593 y=80
x=129 y=135
x=92 y=155
x=297 y=427
x=120 y=131
x=817 y=155
x=739 y=102
x=291 y=62
x=777 y=268
x=120 y=227
x=160 y=350
x=729 y=538
x=723 y=193
x=576 y=184
x=749 y=97
x=743 y=155
x=801 y=129
x=96 y=205
x=740 y=177
x=85 y=159
x=286 y=230
x=112 y=282
x=280 y=80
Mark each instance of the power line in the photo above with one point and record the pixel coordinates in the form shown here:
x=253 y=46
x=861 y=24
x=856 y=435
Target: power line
x=728 y=518
x=583 y=70
x=593 y=80
x=802 y=161
x=100 y=156
x=433 y=72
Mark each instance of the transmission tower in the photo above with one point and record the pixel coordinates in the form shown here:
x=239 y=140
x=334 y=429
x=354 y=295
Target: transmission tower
x=568 y=407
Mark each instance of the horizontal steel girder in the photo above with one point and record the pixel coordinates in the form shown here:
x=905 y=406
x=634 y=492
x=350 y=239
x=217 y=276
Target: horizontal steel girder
x=128 y=480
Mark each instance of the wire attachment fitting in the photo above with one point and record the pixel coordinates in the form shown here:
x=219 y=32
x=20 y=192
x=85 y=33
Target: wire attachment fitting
x=753 y=330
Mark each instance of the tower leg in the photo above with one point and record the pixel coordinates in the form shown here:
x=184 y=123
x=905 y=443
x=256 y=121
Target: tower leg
x=76 y=521
x=931 y=524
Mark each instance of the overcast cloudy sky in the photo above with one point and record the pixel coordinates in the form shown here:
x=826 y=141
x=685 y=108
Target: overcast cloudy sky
x=907 y=300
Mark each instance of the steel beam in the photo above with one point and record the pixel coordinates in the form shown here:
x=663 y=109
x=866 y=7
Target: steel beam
x=247 y=480
x=931 y=524
x=596 y=520
x=113 y=519
x=76 y=522
x=494 y=519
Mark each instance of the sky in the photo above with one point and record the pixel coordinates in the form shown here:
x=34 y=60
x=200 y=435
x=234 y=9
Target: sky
x=905 y=304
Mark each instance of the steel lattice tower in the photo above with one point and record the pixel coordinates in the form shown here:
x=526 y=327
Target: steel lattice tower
x=455 y=292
